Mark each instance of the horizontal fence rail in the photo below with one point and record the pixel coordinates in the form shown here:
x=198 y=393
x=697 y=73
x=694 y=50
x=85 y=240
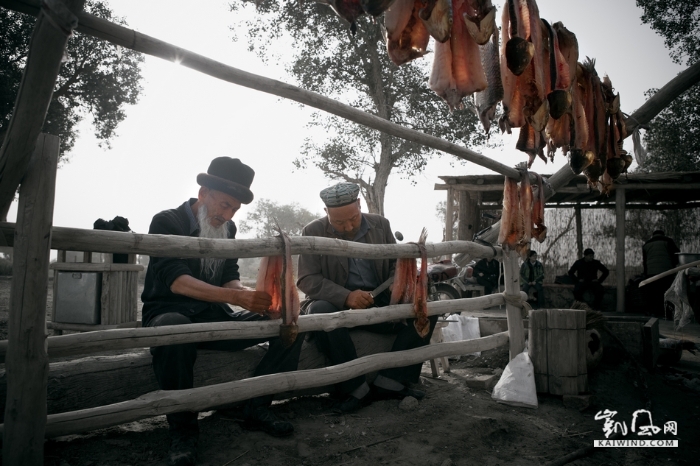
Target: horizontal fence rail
x=202 y=398
x=78 y=239
x=121 y=339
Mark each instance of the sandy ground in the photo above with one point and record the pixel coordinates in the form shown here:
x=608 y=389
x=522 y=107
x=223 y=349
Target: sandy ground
x=453 y=425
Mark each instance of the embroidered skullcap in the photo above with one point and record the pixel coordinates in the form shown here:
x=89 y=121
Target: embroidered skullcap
x=340 y=194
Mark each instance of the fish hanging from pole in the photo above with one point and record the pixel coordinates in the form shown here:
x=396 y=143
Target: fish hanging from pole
x=486 y=101
x=276 y=277
x=539 y=231
x=437 y=17
x=349 y=10
x=412 y=287
x=406 y=35
x=457 y=71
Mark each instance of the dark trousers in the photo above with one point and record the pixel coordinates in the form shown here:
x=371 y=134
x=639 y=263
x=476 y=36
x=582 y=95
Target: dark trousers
x=595 y=288
x=540 y=292
x=654 y=295
x=489 y=284
x=174 y=364
x=339 y=347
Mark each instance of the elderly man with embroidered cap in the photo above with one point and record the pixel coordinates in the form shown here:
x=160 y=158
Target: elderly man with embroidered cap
x=184 y=291
x=336 y=283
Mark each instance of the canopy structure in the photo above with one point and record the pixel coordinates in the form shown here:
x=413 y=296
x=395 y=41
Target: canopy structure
x=469 y=195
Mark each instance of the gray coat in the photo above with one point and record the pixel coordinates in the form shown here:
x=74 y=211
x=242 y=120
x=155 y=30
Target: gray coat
x=323 y=277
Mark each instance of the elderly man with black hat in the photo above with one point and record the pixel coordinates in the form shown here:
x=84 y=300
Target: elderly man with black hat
x=584 y=272
x=335 y=283
x=184 y=291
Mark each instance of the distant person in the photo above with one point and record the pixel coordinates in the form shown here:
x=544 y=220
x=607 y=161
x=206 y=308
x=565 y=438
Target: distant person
x=532 y=276
x=486 y=274
x=658 y=256
x=585 y=274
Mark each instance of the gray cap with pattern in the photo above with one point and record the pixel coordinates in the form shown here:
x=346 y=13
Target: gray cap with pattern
x=340 y=194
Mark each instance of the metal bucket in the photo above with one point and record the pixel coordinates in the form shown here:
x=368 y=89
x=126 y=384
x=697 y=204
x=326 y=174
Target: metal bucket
x=687 y=257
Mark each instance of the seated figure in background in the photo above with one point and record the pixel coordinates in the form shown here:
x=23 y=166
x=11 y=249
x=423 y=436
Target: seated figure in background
x=585 y=275
x=486 y=274
x=335 y=283
x=532 y=276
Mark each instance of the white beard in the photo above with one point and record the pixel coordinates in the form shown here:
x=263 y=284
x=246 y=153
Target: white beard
x=210 y=266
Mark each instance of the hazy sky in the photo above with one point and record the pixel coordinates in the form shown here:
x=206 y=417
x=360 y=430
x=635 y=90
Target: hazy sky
x=184 y=119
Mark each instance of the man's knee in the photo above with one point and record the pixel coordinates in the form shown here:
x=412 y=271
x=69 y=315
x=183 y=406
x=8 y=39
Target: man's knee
x=322 y=307
x=169 y=318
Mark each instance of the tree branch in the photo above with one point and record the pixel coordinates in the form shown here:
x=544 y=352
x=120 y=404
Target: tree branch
x=558 y=237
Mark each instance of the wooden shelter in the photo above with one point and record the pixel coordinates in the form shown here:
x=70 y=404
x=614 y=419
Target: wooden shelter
x=468 y=196
x=28 y=159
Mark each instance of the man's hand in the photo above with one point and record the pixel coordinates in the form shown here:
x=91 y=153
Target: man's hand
x=359 y=299
x=255 y=301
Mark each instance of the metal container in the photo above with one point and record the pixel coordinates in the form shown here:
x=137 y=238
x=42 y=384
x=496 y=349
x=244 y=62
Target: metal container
x=687 y=257
x=78 y=298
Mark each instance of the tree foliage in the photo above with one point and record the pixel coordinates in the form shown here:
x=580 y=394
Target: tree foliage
x=677 y=22
x=322 y=56
x=97 y=78
x=267 y=214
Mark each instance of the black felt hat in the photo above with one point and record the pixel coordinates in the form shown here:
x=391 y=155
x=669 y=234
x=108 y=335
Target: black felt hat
x=230 y=176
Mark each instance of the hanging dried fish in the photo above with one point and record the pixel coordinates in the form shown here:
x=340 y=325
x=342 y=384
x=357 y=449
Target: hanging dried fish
x=437 y=17
x=349 y=10
x=407 y=36
x=480 y=19
x=486 y=101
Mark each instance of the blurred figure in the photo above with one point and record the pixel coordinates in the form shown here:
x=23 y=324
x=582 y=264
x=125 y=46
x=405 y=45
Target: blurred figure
x=585 y=275
x=658 y=256
x=532 y=276
x=486 y=274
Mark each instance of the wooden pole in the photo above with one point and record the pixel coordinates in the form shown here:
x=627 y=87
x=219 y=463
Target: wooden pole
x=27 y=363
x=76 y=239
x=54 y=24
x=131 y=39
x=203 y=398
x=620 y=248
x=463 y=216
x=579 y=231
x=125 y=338
x=669 y=272
x=449 y=215
x=516 y=331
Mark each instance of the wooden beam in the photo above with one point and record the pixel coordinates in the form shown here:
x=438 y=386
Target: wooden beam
x=449 y=215
x=51 y=31
x=26 y=362
x=579 y=232
x=139 y=42
x=127 y=338
x=610 y=205
x=620 y=247
x=203 y=398
x=76 y=239
x=469 y=187
x=513 y=312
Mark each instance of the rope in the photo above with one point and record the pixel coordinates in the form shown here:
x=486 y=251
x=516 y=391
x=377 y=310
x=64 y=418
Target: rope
x=515 y=300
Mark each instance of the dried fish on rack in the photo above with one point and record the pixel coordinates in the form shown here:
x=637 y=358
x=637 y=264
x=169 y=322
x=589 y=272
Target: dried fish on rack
x=407 y=36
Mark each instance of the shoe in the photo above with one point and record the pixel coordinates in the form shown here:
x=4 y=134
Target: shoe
x=261 y=418
x=384 y=394
x=183 y=449
x=351 y=404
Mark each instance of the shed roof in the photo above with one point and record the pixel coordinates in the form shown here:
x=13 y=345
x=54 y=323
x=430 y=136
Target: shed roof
x=643 y=190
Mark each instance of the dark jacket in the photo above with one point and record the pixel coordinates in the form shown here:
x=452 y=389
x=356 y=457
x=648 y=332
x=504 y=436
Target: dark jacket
x=324 y=276
x=659 y=255
x=162 y=271
x=489 y=268
x=588 y=271
x=537 y=272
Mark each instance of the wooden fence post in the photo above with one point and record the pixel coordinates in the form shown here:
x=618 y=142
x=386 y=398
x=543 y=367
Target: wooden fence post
x=620 y=246
x=516 y=332
x=53 y=26
x=27 y=363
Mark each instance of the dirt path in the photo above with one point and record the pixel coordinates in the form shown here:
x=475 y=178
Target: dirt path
x=453 y=425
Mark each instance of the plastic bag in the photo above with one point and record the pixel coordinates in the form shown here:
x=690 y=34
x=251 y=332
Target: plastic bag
x=517 y=384
x=465 y=328
x=678 y=296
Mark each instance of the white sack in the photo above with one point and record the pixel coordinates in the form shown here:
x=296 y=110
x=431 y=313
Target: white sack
x=517 y=384
x=465 y=328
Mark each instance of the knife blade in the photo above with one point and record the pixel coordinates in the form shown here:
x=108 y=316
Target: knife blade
x=375 y=292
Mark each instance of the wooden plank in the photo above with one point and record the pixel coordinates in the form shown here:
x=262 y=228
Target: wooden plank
x=650 y=340
x=516 y=331
x=120 y=339
x=103 y=267
x=470 y=187
x=579 y=231
x=620 y=248
x=537 y=348
x=203 y=398
x=188 y=247
x=26 y=361
x=91 y=328
x=449 y=215
x=581 y=352
x=43 y=62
